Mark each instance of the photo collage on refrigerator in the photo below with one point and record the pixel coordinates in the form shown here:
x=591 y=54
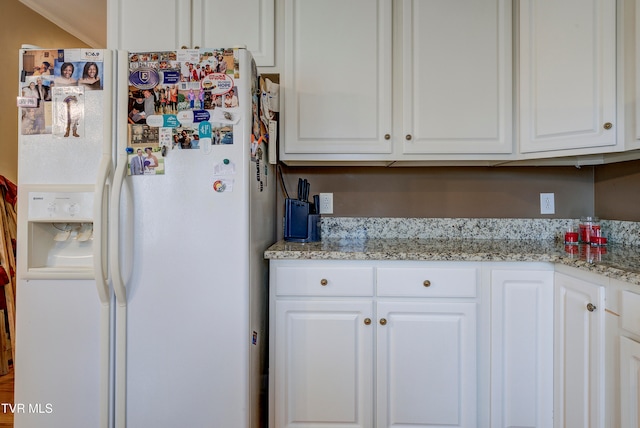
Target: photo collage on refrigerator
x=53 y=84
x=180 y=100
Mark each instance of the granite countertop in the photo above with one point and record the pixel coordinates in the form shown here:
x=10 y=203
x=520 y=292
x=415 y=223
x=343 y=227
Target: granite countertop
x=619 y=262
x=494 y=240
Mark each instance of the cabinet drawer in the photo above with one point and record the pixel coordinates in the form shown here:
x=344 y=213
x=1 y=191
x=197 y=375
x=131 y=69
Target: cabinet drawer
x=427 y=282
x=630 y=312
x=324 y=281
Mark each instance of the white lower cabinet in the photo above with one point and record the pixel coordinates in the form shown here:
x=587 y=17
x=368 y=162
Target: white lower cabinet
x=381 y=344
x=323 y=363
x=629 y=359
x=521 y=348
x=579 y=353
x=629 y=383
x=426 y=364
x=344 y=356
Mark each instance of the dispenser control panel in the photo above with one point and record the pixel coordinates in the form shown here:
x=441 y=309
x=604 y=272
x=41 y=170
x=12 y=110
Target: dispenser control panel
x=60 y=206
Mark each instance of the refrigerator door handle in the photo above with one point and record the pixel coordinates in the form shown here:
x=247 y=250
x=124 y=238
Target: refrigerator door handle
x=99 y=227
x=114 y=231
x=120 y=291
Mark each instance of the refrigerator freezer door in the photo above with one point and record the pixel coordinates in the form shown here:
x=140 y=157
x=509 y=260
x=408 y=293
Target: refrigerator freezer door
x=63 y=313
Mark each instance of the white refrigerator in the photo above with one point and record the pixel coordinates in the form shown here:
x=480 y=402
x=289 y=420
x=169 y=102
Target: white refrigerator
x=146 y=200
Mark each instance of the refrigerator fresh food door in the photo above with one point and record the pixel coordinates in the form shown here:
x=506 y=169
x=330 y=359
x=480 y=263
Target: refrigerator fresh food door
x=181 y=259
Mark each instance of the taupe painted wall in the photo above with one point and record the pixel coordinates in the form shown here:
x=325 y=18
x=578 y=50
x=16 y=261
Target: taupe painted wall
x=484 y=192
x=20 y=25
x=617 y=191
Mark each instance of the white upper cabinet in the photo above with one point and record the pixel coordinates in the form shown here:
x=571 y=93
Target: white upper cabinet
x=139 y=25
x=456 y=76
x=248 y=23
x=337 y=77
x=567 y=75
x=148 y=24
x=362 y=85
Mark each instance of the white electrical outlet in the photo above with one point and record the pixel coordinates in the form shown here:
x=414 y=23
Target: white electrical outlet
x=326 y=203
x=547 y=203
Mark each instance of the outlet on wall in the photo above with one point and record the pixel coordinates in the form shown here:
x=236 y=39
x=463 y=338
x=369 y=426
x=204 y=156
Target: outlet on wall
x=547 y=203
x=326 y=203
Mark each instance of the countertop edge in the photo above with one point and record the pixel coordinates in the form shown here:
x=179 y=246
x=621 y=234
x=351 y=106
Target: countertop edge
x=549 y=252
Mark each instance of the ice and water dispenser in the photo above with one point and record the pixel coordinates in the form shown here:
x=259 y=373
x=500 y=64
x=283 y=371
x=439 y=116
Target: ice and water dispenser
x=60 y=233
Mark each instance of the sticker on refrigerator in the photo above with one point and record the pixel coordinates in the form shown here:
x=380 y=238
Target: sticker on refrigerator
x=37 y=62
x=184 y=99
x=36 y=82
x=202 y=135
x=226 y=167
x=79 y=67
x=36 y=120
x=68 y=112
x=186 y=137
x=191 y=116
x=146 y=161
x=223 y=185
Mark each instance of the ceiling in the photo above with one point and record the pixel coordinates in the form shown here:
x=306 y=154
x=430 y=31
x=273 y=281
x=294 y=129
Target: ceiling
x=84 y=19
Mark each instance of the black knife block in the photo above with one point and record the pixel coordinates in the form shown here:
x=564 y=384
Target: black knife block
x=299 y=224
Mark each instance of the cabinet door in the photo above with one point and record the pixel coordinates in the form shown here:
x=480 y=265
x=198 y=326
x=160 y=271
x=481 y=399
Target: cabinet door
x=250 y=23
x=323 y=364
x=149 y=24
x=579 y=353
x=522 y=348
x=567 y=74
x=457 y=74
x=337 y=82
x=426 y=364
x=629 y=383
